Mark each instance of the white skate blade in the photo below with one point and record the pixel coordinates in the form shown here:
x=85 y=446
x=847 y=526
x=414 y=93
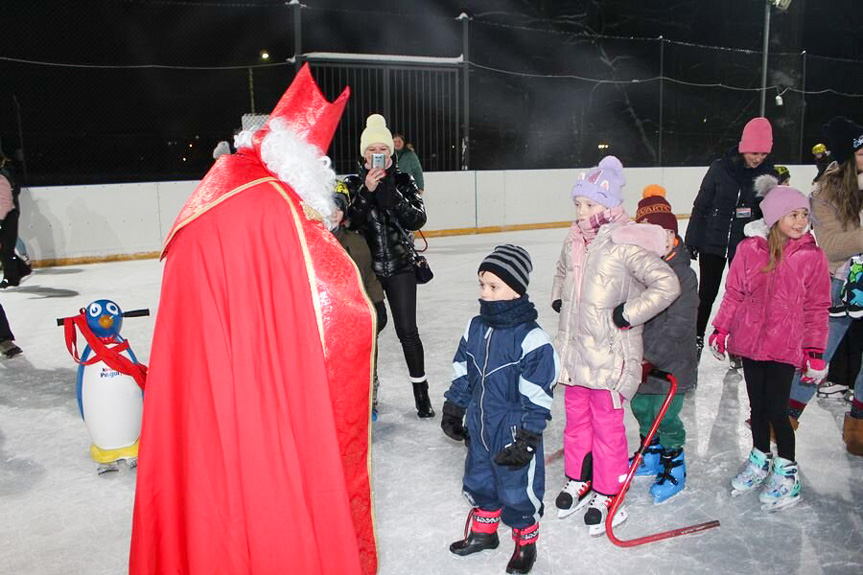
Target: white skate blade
x=779 y=505
x=599 y=530
x=564 y=513
x=735 y=492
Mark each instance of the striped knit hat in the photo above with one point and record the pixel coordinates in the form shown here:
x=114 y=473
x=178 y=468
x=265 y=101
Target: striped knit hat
x=510 y=263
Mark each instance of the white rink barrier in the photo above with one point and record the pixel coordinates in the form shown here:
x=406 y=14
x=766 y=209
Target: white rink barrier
x=74 y=224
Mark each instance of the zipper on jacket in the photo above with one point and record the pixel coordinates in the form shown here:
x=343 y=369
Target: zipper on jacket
x=482 y=387
x=731 y=223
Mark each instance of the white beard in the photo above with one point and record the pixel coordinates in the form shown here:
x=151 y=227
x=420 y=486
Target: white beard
x=298 y=164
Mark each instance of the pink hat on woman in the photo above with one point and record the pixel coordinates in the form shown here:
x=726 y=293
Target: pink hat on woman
x=757 y=137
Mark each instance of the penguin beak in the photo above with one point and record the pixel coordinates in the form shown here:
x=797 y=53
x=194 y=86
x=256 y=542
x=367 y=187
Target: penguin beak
x=106 y=321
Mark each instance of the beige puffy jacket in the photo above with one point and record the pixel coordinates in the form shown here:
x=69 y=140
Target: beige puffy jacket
x=623 y=264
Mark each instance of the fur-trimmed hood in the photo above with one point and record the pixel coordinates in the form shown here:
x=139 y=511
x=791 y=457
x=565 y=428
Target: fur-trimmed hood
x=648 y=236
x=757 y=228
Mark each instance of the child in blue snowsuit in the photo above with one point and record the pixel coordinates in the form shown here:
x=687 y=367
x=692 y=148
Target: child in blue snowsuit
x=503 y=374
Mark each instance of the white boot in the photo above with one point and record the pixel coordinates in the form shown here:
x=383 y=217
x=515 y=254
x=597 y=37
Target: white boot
x=753 y=473
x=573 y=497
x=597 y=511
x=783 y=488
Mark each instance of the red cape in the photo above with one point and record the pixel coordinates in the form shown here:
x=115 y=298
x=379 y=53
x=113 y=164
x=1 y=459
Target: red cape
x=254 y=453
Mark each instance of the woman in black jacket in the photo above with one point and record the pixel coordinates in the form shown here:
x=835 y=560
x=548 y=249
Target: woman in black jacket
x=726 y=202
x=385 y=206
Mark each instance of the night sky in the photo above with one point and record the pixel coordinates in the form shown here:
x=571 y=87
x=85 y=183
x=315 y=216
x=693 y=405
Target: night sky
x=84 y=124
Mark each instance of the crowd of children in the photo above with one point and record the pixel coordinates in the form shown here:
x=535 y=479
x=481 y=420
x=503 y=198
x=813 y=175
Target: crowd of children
x=630 y=315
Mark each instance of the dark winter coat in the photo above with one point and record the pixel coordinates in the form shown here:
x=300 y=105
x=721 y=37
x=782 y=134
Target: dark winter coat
x=669 y=338
x=503 y=378
x=358 y=249
x=378 y=214
x=726 y=202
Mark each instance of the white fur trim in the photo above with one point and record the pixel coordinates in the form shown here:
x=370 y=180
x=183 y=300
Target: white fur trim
x=756 y=228
x=648 y=236
x=301 y=166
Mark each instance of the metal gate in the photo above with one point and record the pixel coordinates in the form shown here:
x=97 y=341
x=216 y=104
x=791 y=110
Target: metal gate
x=420 y=98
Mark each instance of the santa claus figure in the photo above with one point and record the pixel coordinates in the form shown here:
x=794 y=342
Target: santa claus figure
x=254 y=452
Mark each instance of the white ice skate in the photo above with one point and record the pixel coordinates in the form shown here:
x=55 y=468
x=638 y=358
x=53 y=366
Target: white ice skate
x=753 y=473
x=783 y=488
x=597 y=513
x=574 y=496
x=828 y=390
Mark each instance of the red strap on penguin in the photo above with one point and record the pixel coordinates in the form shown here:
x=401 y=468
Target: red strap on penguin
x=112 y=356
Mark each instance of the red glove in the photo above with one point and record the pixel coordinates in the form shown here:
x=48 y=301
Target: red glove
x=717 y=344
x=814 y=368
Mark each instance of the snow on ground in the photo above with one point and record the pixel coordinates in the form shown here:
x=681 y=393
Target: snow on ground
x=58 y=517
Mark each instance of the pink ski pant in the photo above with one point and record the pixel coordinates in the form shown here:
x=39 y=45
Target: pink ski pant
x=594 y=425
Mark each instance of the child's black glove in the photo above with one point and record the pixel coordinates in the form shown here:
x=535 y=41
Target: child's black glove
x=556 y=305
x=619 y=319
x=520 y=452
x=451 y=421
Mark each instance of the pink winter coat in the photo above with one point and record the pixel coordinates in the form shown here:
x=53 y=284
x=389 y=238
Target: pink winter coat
x=775 y=316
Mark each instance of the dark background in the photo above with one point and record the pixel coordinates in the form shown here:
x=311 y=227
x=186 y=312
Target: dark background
x=86 y=97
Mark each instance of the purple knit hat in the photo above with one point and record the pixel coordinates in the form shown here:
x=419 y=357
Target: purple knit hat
x=603 y=183
x=778 y=201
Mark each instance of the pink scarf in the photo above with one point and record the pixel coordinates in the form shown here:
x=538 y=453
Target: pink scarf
x=590 y=228
x=585 y=232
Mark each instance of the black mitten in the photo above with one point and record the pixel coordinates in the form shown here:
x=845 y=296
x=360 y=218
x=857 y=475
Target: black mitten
x=452 y=421
x=693 y=251
x=520 y=452
x=556 y=305
x=619 y=319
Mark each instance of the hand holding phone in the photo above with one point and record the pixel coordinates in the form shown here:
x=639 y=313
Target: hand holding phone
x=374 y=177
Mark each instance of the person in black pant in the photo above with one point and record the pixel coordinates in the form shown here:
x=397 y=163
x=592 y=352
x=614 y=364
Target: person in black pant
x=7 y=340
x=385 y=205
x=14 y=268
x=726 y=202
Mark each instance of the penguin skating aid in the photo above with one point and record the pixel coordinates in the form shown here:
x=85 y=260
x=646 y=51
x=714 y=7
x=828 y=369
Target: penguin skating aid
x=110 y=383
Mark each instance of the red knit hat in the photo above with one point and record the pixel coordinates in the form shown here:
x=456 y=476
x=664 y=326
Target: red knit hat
x=757 y=137
x=655 y=209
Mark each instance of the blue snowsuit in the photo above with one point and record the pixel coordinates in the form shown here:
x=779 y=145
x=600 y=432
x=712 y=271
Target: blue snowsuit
x=503 y=378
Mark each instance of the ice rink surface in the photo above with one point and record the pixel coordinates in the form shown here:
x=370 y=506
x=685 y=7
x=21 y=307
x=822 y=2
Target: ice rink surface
x=58 y=517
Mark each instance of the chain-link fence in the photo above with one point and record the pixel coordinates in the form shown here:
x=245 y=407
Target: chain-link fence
x=134 y=104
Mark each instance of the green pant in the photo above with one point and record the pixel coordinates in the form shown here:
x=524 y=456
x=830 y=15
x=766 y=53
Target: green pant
x=645 y=409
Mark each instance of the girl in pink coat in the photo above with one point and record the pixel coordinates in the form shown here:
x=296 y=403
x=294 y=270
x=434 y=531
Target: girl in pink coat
x=774 y=315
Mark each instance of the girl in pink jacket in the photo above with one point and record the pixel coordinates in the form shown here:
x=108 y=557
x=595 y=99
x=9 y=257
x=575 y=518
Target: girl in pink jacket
x=774 y=315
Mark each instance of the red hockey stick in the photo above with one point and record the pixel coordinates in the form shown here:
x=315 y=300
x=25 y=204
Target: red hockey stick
x=636 y=461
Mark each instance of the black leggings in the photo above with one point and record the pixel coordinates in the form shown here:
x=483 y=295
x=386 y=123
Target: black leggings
x=709 y=280
x=5 y=331
x=768 y=384
x=401 y=290
x=8 y=237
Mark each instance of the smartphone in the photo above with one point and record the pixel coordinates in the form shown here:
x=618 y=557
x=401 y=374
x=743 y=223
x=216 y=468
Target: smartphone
x=379 y=161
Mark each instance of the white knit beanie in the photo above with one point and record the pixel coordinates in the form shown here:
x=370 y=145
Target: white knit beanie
x=376 y=132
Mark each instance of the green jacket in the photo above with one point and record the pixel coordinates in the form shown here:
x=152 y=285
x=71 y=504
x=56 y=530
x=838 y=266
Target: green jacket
x=409 y=163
